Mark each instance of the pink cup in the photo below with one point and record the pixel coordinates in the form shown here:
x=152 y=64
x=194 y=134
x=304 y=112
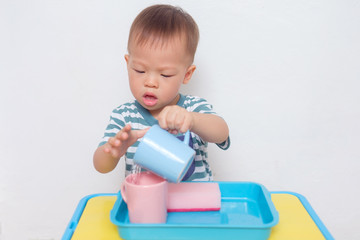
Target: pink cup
x=146 y=196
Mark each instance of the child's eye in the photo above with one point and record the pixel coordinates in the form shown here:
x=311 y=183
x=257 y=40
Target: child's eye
x=139 y=71
x=166 y=76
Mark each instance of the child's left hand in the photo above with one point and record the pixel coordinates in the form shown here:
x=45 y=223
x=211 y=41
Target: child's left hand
x=175 y=119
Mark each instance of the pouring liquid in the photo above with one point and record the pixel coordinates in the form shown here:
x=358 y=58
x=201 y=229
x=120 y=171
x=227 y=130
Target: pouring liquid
x=136 y=174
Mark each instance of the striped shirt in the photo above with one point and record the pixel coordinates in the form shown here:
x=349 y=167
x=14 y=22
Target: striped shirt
x=140 y=118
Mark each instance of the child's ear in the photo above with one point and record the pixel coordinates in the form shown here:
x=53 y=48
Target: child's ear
x=127 y=58
x=189 y=74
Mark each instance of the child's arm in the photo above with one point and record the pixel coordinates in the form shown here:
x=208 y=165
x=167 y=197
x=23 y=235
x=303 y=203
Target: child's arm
x=107 y=156
x=209 y=127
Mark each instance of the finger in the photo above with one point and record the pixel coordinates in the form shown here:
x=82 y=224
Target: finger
x=107 y=150
x=127 y=128
x=171 y=119
x=185 y=125
x=179 y=122
x=123 y=136
x=111 y=141
x=117 y=142
x=174 y=131
x=184 y=128
x=162 y=119
x=142 y=132
x=114 y=153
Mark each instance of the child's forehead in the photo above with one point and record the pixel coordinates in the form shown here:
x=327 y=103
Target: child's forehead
x=157 y=41
x=169 y=49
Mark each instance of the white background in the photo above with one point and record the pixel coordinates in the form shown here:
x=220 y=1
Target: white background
x=284 y=74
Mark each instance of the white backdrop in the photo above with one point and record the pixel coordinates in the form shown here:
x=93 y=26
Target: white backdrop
x=284 y=74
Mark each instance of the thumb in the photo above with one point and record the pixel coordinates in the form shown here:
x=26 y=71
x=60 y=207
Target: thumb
x=141 y=133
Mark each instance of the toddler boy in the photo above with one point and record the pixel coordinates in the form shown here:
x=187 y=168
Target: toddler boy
x=161 y=49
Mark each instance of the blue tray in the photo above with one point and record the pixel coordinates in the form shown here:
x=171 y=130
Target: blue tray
x=247 y=212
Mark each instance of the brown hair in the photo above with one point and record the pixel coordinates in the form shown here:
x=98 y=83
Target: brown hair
x=163 y=22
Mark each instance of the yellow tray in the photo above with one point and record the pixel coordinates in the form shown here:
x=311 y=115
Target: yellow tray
x=297 y=220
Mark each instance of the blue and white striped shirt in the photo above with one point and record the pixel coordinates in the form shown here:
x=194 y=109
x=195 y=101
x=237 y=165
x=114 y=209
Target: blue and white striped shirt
x=140 y=118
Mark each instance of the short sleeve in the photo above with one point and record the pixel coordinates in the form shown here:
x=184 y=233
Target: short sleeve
x=197 y=104
x=116 y=123
x=200 y=105
x=224 y=145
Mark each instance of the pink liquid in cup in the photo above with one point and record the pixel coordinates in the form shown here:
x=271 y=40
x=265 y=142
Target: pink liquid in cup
x=146 y=196
x=145 y=178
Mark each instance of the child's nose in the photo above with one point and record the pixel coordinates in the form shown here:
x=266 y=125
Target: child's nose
x=151 y=81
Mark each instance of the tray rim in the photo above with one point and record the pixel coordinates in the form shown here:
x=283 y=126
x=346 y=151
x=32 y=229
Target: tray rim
x=267 y=196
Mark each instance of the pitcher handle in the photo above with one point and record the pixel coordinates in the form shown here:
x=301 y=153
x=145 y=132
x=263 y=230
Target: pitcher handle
x=187 y=137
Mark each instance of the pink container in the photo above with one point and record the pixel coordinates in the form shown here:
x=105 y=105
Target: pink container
x=146 y=196
x=194 y=196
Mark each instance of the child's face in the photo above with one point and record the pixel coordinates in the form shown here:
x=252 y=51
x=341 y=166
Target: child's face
x=156 y=73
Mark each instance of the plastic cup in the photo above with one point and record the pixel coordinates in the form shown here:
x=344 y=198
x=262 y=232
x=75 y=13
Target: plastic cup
x=162 y=153
x=146 y=197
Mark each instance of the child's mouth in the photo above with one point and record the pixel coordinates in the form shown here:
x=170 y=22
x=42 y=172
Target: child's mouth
x=149 y=99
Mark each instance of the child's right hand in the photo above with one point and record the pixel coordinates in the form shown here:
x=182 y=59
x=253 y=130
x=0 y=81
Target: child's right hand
x=117 y=145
